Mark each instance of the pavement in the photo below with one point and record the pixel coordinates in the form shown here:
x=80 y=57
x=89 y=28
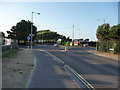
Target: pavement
x=0 y=77
x=48 y=74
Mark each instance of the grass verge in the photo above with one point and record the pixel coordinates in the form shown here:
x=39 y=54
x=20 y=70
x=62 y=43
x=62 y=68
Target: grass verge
x=9 y=53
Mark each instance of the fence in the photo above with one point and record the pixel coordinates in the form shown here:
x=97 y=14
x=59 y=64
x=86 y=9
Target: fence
x=110 y=47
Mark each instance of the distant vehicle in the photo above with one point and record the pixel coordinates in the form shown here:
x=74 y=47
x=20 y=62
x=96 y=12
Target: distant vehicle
x=56 y=45
x=7 y=41
x=71 y=43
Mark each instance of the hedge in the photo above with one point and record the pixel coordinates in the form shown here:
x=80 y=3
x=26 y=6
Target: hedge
x=109 y=46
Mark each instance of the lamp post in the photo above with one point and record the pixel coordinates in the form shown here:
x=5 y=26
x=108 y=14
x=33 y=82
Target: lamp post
x=103 y=20
x=32 y=26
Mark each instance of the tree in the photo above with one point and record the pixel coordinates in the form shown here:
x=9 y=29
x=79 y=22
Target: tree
x=111 y=35
x=48 y=35
x=63 y=39
x=21 y=31
x=115 y=33
x=68 y=39
x=2 y=34
x=103 y=32
x=52 y=36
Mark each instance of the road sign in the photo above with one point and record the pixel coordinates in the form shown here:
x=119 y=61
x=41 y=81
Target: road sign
x=31 y=35
x=76 y=43
x=28 y=38
x=21 y=41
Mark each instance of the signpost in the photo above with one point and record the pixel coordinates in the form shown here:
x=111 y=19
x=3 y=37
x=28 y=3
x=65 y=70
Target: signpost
x=31 y=35
x=28 y=38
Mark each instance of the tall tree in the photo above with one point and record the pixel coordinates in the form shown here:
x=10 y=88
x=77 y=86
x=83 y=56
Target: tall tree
x=63 y=39
x=115 y=33
x=2 y=34
x=103 y=32
x=68 y=39
x=21 y=31
x=48 y=35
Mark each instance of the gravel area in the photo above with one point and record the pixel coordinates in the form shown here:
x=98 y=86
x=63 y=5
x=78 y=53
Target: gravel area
x=16 y=70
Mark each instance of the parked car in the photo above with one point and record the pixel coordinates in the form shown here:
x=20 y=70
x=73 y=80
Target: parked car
x=55 y=45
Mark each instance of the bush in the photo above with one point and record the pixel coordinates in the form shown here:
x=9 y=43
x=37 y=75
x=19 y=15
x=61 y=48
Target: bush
x=106 y=46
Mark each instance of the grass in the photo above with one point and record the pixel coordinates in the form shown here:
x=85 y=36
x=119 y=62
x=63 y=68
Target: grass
x=61 y=45
x=9 y=53
x=69 y=46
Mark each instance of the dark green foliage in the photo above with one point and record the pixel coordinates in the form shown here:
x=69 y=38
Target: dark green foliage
x=115 y=33
x=103 y=32
x=107 y=46
x=51 y=36
x=9 y=53
x=48 y=35
x=2 y=35
x=117 y=48
x=21 y=31
x=64 y=40
x=109 y=38
x=107 y=33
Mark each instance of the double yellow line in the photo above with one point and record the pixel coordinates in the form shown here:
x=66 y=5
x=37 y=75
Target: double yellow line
x=88 y=85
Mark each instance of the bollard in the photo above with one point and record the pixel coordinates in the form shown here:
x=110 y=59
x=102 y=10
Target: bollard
x=66 y=48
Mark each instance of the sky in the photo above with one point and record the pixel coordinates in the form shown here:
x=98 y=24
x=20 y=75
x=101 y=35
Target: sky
x=60 y=16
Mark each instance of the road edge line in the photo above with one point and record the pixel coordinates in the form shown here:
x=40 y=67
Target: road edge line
x=31 y=72
x=88 y=85
x=59 y=61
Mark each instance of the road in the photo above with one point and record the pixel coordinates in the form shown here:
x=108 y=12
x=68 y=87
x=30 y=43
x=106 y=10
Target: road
x=100 y=72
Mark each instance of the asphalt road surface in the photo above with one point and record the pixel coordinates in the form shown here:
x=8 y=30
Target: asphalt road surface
x=100 y=72
x=48 y=74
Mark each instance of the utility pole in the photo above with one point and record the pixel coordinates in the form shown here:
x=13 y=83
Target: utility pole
x=104 y=21
x=73 y=31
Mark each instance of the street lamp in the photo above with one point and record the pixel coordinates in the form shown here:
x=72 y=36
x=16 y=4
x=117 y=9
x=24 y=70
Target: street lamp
x=32 y=26
x=103 y=20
